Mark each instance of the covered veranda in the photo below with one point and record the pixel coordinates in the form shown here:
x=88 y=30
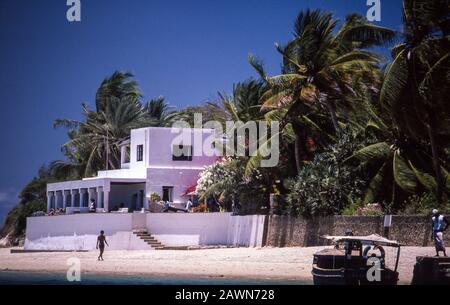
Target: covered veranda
x=108 y=194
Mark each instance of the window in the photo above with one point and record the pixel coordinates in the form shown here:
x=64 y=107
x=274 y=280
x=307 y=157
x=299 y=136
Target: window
x=167 y=193
x=140 y=153
x=182 y=153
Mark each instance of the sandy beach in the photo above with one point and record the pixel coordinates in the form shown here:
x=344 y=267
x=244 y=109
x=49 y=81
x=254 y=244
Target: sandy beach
x=255 y=263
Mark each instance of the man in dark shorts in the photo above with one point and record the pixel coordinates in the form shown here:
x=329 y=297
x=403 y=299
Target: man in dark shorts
x=101 y=241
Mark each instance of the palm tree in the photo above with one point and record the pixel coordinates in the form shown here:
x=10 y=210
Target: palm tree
x=93 y=142
x=96 y=139
x=245 y=102
x=320 y=69
x=319 y=66
x=242 y=105
x=159 y=112
x=396 y=164
x=120 y=84
x=416 y=85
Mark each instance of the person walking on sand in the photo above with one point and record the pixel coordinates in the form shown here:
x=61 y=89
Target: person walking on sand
x=101 y=241
x=438 y=225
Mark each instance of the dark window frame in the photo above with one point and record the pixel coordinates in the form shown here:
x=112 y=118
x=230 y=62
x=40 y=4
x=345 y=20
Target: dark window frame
x=182 y=157
x=140 y=153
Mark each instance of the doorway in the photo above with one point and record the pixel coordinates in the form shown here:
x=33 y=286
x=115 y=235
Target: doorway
x=167 y=193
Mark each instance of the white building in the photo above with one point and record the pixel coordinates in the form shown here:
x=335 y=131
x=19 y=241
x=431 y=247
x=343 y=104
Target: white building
x=148 y=164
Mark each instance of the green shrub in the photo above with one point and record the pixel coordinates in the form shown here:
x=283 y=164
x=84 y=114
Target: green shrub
x=154 y=197
x=423 y=204
x=16 y=220
x=323 y=187
x=331 y=182
x=371 y=209
x=225 y=181
x=352 y=208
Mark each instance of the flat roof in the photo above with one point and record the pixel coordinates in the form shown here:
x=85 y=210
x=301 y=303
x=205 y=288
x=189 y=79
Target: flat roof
x=373 y=239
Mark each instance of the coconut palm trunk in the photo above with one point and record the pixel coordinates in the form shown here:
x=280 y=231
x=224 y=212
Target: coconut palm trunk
x=436 y=161
x=333 y=116
x=297 y=156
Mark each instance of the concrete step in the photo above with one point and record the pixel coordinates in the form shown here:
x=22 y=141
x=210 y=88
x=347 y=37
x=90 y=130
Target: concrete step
x=152 y=241
x=174 y=248
x=149 y=239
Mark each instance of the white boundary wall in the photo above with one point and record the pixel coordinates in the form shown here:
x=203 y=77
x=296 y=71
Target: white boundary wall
x=206 y=229
x=174 y=229
x=80 y=231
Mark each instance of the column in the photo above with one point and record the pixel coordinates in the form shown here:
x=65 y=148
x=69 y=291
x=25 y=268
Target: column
x=72 y=198
x=57 y=199
x=64 y=195
x=89 y=191
x=146 y=199
x=49 y=201
x=81 y=192
x=99 y=198
x=106 y=200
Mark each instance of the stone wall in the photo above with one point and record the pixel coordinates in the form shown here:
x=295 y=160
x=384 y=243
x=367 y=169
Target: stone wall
x=287 y=231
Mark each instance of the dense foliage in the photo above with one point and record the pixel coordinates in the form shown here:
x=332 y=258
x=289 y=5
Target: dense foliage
x=226 y=183
x=31 y=199
x=359 y=134
x=330 y=182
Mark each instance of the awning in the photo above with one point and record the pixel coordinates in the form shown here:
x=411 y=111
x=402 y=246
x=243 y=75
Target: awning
x=192 y=190
x=373 y=239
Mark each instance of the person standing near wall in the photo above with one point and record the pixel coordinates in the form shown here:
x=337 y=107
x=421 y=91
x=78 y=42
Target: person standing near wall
x=438 y=225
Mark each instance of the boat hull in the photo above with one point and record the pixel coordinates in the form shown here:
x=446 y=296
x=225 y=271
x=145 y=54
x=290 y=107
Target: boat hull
x=331 y=267
x=352 y=277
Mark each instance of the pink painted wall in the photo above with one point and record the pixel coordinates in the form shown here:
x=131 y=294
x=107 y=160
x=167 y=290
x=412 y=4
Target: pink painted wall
x=163 y=171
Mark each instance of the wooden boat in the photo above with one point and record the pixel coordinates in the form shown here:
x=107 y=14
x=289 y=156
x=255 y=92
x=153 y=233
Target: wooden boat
x=355 y=260
x=431 y=270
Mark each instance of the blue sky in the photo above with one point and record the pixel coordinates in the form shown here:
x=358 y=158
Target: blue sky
x=183 y=50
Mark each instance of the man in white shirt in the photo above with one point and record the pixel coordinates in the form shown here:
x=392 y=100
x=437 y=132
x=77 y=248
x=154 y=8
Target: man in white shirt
x=189 y=205
x=92 y=207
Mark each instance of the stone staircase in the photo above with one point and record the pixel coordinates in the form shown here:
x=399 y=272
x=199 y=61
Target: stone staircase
x=154 y=243
x=149 y=239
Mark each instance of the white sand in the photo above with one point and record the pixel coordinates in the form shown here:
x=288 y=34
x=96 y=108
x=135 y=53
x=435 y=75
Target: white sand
x=258 y=263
